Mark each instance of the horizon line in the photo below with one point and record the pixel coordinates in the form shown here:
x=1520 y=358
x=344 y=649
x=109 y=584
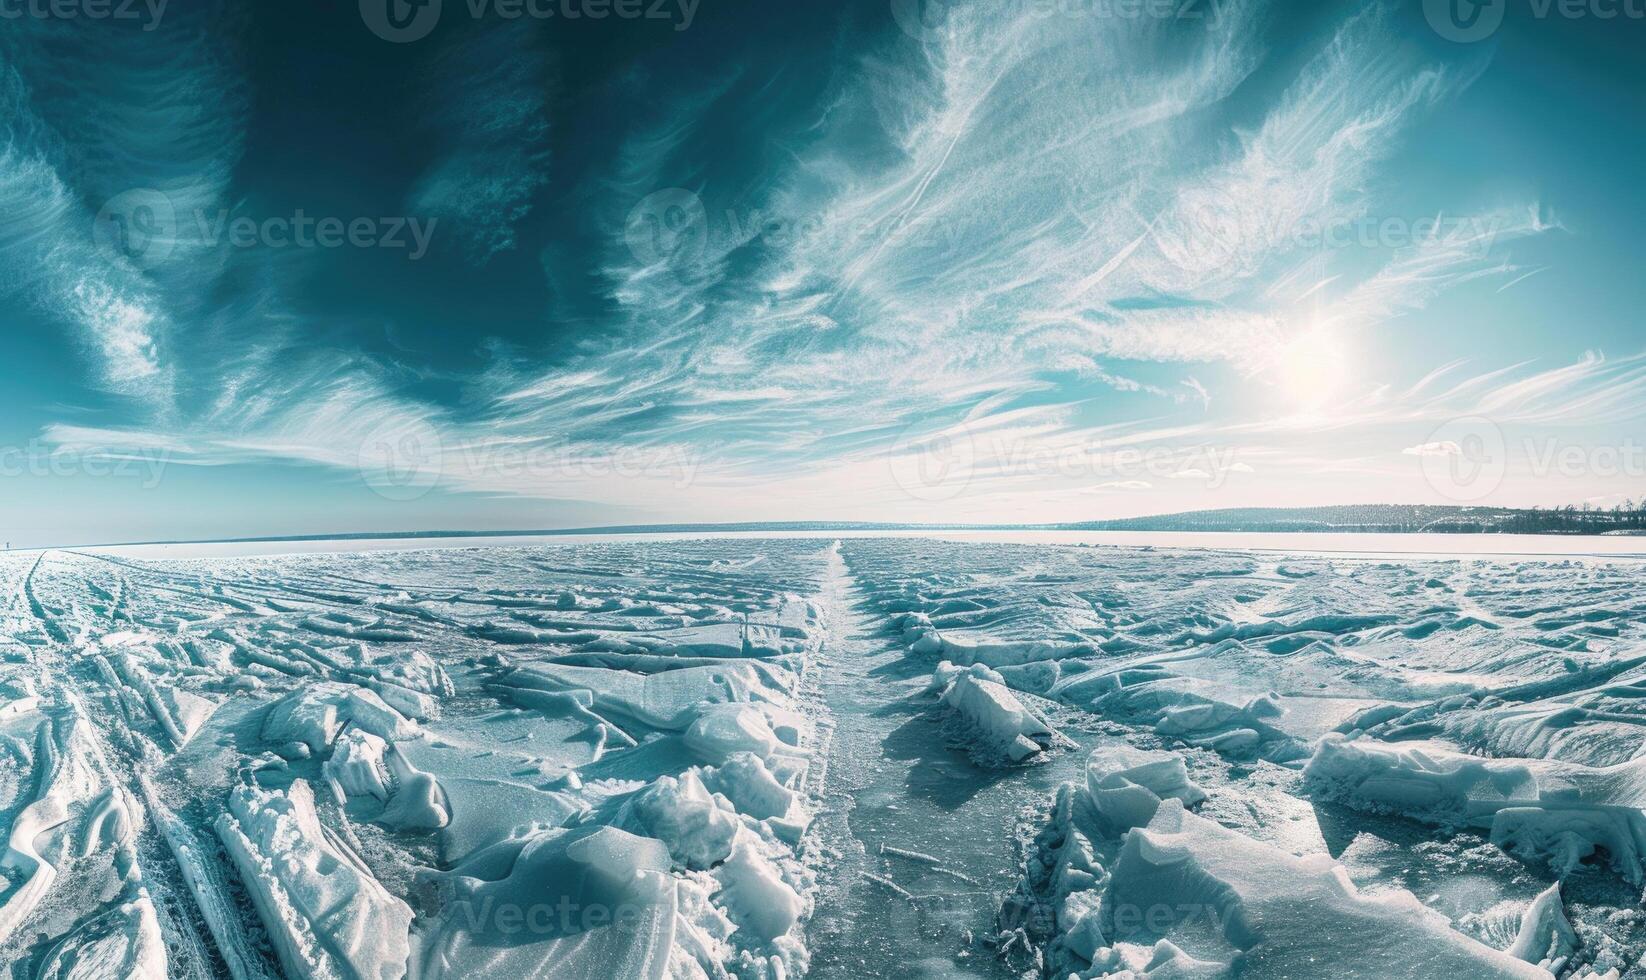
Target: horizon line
x=738 y=526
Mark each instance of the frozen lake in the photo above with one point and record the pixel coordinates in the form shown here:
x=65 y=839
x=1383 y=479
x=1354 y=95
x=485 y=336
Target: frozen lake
x=969 y=754
x=1416 y=545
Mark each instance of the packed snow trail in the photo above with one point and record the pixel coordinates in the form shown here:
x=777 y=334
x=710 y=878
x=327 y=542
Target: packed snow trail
x=999 y=744
x=103 y=744
x=919 y=842
x=275 y=768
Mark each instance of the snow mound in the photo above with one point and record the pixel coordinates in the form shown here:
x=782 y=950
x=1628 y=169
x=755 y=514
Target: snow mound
x=415 y=671
x=697 y=828
x=1545 y=936
x=313 y=717
x=582 y=904
x=125 y=942
x=413 y=684
x=968 y=650
x=990 y=718
x=1126 y=785
x=364 y=765
x=483 y=811
x=1203 y=714
x=356 y=766
x=1226 y=898
x=725 y=729
x=668 y=701
x=757 y=896
x=326 y=916
x=75 y=809
x=734 y=830
x=1561 y=812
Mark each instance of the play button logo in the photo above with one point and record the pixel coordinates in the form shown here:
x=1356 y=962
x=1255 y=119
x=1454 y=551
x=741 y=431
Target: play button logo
x=1465 y=21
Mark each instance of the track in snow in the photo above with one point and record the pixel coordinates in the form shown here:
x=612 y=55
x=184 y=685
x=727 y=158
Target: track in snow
x=541 y=694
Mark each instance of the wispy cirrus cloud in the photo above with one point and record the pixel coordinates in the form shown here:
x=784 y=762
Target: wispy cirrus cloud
x=999 y=233
x=489 y=121
x=52 y=263
x=98 y=115
x=1077 y=237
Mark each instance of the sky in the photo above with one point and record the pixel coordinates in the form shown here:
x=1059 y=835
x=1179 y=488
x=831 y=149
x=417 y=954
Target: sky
x=317 y=267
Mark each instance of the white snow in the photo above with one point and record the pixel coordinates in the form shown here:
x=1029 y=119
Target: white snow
x=1562 y=812
x=327 y=916
x=1277 y=915
x=1126 y=786
x=592 y=758
x=990 y=717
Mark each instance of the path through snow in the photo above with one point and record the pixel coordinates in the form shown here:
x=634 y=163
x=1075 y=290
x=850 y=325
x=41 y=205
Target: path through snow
x=343 y=765
x=920 y=843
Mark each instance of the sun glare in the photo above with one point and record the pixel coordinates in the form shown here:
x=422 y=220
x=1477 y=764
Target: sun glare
x=1312 y=369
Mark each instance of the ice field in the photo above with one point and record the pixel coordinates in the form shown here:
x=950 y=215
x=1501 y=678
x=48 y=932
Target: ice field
x=769 y=758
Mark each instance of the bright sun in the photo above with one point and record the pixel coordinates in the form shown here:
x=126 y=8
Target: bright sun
x=1312 y=368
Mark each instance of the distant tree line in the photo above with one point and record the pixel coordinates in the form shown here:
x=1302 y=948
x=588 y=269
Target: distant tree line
x=1627 y=516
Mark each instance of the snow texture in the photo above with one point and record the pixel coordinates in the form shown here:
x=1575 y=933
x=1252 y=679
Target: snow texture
x=603 y=760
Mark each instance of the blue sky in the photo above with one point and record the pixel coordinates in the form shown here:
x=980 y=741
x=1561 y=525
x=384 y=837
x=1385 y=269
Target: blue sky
x=266 y=271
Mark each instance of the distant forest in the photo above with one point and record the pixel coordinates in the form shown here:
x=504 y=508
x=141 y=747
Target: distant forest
x=1625 y=518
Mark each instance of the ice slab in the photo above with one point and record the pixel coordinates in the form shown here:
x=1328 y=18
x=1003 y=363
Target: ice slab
x=326 y=916
x=1272 y=914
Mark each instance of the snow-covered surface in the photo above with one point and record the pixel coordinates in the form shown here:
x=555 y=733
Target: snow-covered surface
x=680 y=759
x=986 y=715
x=1326 y=543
